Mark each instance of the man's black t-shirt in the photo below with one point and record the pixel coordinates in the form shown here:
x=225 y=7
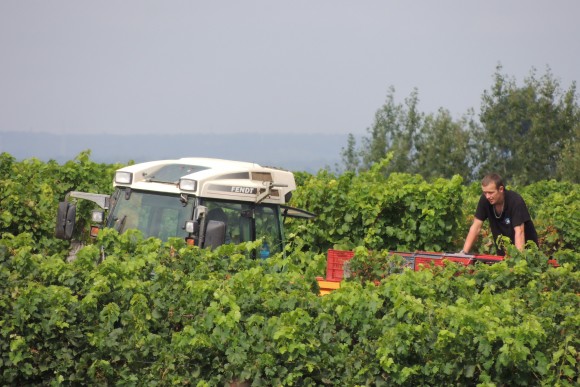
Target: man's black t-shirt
x=515 y=212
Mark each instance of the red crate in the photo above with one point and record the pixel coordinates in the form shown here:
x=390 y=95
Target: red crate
x=408 y=257
x=335 y=260
x=463 y=261
x=488 y=258
x=427 y=261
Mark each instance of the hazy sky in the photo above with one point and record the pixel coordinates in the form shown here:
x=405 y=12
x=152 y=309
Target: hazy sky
x=138 y=66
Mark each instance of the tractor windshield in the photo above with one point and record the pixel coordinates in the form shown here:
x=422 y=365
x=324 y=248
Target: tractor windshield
x=155 y=214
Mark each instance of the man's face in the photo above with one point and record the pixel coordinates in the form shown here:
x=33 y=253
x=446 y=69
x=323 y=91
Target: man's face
x=492 y=193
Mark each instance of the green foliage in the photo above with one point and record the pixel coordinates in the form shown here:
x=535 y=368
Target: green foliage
x=31 y=189
x=162 y=313
x=138 y=311
x=394 y=130
x=498 y=324
x=432 y=145
x=443 y=148
x=569 y=164
x=350 y=156
x=398 y=212
x=555 y=206
x=525 y=127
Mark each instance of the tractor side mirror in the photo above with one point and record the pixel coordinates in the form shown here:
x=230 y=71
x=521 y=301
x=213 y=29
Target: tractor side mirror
x=65 y=220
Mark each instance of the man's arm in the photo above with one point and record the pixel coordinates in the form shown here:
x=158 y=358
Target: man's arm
x=472 y=235
x=520 y=237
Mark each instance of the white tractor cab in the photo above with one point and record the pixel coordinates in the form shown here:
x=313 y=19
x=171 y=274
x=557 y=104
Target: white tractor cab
x=206 y=201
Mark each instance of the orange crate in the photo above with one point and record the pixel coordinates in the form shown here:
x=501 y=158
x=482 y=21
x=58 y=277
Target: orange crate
x=335 y=260
x=326 y=287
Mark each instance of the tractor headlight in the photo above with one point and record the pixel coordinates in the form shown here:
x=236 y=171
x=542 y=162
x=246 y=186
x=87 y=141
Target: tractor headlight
x=122 y=177
x=187 y=185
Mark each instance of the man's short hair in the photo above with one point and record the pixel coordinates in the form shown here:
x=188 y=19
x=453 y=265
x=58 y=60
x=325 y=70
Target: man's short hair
x=493 y=178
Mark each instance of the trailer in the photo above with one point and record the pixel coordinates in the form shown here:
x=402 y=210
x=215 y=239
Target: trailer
x=337 y=264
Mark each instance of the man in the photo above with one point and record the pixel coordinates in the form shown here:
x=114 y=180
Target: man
x=507 y=213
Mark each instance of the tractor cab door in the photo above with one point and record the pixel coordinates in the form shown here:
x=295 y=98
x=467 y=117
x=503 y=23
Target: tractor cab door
x=245 y=222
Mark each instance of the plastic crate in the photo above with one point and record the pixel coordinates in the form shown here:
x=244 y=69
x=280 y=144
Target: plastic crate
x=489 y=259
x=326 y=287
x=463 y=261
x=428 y=260
x=335 y=261
x=408 y=257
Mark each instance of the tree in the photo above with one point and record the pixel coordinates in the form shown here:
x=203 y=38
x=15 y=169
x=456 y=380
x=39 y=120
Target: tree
x=443 y=147
x=394 y=130
x=350 y=155
x=524 y=129
x=569 y=163
x=432 y=145
x=525 y=133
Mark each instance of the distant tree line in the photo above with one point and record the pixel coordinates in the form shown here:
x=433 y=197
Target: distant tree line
x=527 y=133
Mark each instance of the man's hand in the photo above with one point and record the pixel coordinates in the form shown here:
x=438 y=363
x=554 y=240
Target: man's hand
x=472 y=235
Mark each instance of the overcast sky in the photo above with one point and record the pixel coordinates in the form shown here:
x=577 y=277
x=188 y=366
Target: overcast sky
x=138 y=66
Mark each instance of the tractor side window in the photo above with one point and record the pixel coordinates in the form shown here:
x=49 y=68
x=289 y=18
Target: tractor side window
x=268 y=229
